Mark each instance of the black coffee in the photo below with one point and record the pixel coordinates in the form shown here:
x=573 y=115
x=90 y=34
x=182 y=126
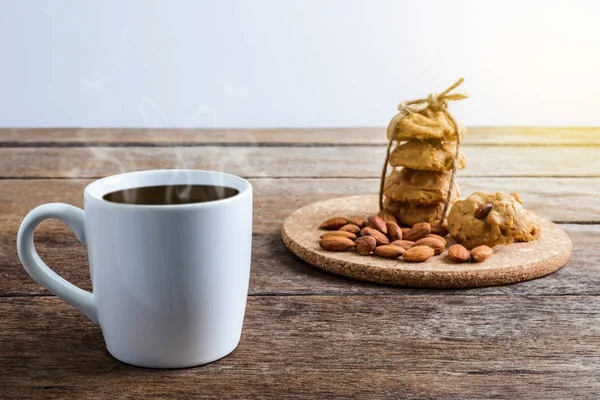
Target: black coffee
x=171 y=194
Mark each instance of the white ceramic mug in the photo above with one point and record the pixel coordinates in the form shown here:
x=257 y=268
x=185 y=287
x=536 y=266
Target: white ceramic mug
x=169 y=281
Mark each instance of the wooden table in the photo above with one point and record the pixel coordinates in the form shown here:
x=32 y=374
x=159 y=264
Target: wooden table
x=307 y=333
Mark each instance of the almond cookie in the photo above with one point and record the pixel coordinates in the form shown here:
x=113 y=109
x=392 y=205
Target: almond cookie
x=407 y=214
x=418 y=187
x=503 y=220
x=430 y=155
x=430 y=125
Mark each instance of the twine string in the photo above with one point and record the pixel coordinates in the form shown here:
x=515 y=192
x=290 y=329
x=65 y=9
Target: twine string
x=391 y=127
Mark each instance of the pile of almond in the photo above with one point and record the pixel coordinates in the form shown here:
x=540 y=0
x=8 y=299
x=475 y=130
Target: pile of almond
x=382 y=236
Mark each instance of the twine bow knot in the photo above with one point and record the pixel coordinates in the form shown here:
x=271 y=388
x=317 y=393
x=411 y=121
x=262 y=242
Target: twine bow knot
x=435 y=102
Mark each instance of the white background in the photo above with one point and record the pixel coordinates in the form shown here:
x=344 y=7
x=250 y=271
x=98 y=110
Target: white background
x=294 y=63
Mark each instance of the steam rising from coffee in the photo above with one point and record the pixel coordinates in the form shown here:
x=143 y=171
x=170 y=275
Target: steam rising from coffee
x=161 y=149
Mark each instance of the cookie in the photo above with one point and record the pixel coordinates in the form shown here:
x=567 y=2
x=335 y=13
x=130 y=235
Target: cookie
x=491 y=219
x=430 y=155
x=434 y=125
x=408 y=214
x=418 y=187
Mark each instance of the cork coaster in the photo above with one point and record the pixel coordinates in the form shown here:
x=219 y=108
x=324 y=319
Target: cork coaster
x=509 y=264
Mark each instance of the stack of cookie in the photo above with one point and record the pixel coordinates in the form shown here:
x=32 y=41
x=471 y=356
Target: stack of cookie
x=417 y=188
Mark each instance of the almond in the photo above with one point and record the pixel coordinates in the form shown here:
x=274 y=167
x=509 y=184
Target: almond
x=388 y=251
x=438 y=237
x=358 y=221
x=418 y=231
x=481 y=253
x=418 y=254
x=458 y=253
x=333 y=224
x=483 y=210
x=344 y=234
x=376 y=222
x=350 y=228
x=393 y=231
x=364 y=245
x=437 y=246
x=405 y=244
x=336 y=243
x=438 y=229
x=380 y=238
x=404 y=231
x=387 y=216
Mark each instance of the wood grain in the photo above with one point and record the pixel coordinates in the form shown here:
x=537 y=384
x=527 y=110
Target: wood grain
x=308 y=333
x=457 y=347
x=275 y=270
x=557 y=199
x=38 y=137
x=322 y=162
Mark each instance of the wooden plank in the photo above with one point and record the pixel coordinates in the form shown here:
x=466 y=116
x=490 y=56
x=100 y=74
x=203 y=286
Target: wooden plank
x=558 y=199
x=572 y=136
x=458 y=347
x=277 y=271
x=352 y=161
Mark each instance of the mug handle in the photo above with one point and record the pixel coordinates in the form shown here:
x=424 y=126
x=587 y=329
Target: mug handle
x=74 y=217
